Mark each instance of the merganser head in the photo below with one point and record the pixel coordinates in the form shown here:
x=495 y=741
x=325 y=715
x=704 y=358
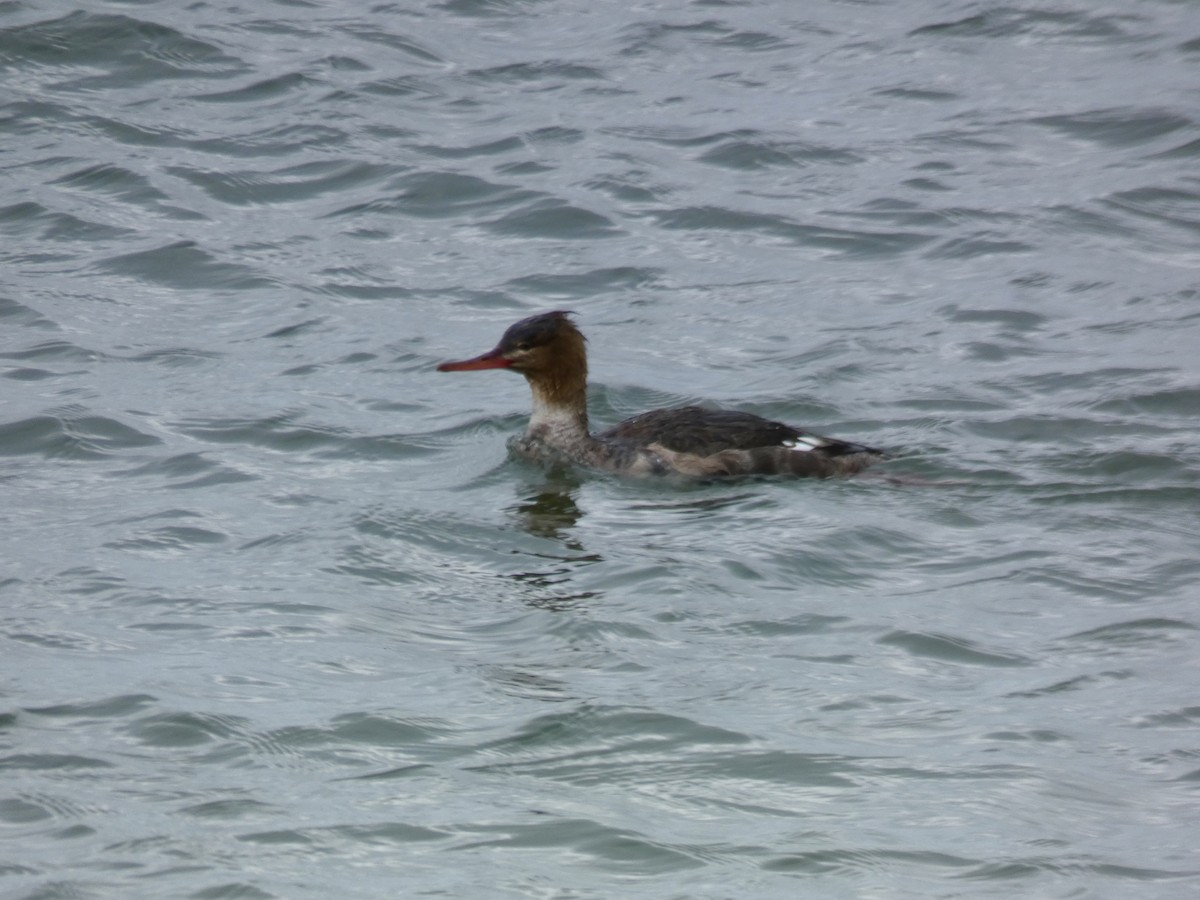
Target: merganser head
x=545 y=346
x=549 y=351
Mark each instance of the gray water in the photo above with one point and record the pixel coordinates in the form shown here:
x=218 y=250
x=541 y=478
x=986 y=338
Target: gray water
x=279 y=617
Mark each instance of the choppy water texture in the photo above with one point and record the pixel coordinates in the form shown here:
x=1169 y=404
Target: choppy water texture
x=279 y=617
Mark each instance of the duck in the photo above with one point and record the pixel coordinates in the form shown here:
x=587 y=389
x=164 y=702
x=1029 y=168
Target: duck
x=693 y=442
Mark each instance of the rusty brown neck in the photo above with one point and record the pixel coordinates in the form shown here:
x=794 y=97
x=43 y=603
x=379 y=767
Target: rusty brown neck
x=560 y=416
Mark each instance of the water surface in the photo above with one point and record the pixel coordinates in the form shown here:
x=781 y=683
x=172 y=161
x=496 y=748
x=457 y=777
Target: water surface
x=278 y=616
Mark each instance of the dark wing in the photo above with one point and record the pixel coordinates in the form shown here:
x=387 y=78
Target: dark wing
x=693 y=429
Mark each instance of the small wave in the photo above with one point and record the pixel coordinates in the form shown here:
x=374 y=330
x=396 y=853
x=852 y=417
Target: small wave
x=445 y=195
x=951 y=649
x=279 y=87
x=125 y=48
x=553 y=220
x=1052 y=26
x=183 y=265
x=1117 y=127
x=57 y=226
x=293 y=184
x=837 y=240
x=170 y=539
x=77 y=437
x=188 y=471
x=550 y=72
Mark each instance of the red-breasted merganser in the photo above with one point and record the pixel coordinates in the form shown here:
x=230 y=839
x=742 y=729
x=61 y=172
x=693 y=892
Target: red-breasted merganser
x=550 y=352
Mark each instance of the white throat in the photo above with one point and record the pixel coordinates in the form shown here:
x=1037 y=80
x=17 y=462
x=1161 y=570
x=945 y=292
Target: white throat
x=554 y=418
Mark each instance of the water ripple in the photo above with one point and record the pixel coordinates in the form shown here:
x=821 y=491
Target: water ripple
x=71 y=436
x=183 y=265
x=280 y=611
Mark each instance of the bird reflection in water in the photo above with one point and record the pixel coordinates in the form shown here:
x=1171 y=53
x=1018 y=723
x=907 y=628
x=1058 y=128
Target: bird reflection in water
x=548 y=510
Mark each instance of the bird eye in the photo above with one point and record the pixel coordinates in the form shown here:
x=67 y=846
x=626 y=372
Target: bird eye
x=523 y=346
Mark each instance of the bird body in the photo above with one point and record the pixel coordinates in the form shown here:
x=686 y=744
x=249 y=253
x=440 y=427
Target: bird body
x=693 y=441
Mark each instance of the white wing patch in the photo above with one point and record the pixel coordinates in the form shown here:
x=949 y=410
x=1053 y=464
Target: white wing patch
x=805 y=442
